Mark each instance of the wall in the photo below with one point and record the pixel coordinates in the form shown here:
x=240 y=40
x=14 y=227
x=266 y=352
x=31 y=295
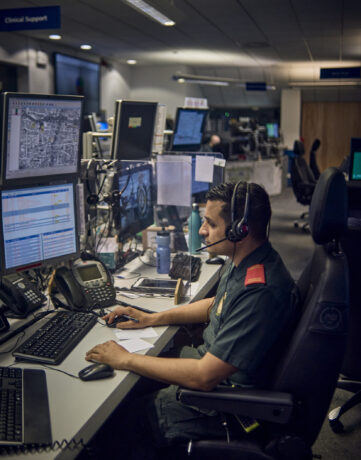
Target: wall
x=290 y=116
x=334 y=123
x=154 y=83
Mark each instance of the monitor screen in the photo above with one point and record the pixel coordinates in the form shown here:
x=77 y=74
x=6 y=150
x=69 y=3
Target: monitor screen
x=355 y=159
x=135 y=212
x=78 y=77
x=38 y=225
x=41 y=136
x=133 y=130
x=189 y=129
x=272 y=130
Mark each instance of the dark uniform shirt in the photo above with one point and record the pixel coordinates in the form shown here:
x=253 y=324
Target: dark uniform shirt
x=254 y=305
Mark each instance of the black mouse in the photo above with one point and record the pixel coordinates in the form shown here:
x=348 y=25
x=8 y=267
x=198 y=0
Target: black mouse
x=116 y=320
x=215 y=261
x=96 y=371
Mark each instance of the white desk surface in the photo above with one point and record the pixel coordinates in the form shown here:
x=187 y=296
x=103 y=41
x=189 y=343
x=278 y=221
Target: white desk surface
x=77 y=408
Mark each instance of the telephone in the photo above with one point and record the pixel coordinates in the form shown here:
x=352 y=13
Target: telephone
x=86 y=285
x=19 y=295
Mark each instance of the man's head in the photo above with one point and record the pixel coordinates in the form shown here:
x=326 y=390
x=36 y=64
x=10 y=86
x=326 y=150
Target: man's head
x=214 y=140
x=218 y=207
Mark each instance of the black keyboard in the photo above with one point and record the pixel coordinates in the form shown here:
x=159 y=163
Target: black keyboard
x=52 y=343
x=24 y=407
x=186 y=267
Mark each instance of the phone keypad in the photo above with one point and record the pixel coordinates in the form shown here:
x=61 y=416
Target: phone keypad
x=103 y=296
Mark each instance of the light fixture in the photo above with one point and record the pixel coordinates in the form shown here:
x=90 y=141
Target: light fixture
x=222 y=81
x=86 y=47
x=144 y=8
x=55 y=37
x=131 y=61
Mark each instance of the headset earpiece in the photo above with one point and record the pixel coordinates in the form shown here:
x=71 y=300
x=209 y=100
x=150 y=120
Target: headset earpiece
x=238 y=229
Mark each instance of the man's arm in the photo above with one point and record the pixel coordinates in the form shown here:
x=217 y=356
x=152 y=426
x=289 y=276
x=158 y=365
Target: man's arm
x=199 y=374
x=196 y=312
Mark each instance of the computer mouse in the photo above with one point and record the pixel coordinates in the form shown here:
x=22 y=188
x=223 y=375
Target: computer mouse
x=116 y=320
x=215 y=261
x=96 y=371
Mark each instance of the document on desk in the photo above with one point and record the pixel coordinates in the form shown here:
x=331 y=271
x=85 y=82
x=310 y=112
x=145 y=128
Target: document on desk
x=146 y=333
x=133 y=345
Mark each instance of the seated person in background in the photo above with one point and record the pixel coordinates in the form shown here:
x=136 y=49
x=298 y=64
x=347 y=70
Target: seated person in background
x=210 y=144
x=248 y=319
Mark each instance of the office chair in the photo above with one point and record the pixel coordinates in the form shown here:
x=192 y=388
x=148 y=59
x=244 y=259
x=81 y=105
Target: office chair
x=303 y=181
x=292 y=408
x=350 y=378
x=313 y=163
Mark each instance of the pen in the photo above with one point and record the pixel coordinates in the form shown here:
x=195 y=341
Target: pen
x=131 y=318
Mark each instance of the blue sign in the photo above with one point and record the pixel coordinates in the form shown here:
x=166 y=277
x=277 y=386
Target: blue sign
x=47 y=17
x=340 y=72
x=255 y=86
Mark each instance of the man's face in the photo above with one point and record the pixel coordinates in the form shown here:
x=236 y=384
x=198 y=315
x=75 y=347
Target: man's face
x=214 y=229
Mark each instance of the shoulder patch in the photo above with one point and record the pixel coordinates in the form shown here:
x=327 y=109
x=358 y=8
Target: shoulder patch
x=255 y=275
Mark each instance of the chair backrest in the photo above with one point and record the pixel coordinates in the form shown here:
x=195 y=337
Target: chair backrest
x=303 y=181
x=313 y=162
x=310 y=366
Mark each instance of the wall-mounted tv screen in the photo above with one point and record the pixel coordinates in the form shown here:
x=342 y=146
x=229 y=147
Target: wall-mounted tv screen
x=78 y=77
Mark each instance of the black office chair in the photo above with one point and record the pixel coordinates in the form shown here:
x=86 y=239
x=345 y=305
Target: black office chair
x=292 y=408
x=350 y=378
x=313 y=162
x=303 y=181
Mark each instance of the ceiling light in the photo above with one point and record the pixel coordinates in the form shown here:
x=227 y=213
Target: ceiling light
x=55 y=37
x=218 y=81
x=131 y=61
x=144 y=8
x=86 y=47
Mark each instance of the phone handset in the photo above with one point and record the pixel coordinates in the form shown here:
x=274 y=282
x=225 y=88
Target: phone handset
x=86 y=285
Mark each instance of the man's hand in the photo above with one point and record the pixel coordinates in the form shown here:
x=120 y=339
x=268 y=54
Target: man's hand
x=143 y=319
x=109 y=353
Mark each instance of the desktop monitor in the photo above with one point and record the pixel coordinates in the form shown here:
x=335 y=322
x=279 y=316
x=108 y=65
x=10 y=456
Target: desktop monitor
x=272 y=130
x=134 y=211
x=355 y=159
x=133 y=130
x=41 y=136
x=38 y=226
x=189 y=129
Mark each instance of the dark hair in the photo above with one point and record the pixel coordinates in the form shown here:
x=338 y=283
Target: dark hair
x=259 y=211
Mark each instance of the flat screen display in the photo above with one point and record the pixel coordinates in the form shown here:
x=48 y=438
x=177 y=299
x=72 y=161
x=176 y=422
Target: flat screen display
x=78 y=77
x=355 y=159
x=189 y=129
x=133 y=130
x=38 y=224
x=41 y=136
x=272 y=130
x=135 y=212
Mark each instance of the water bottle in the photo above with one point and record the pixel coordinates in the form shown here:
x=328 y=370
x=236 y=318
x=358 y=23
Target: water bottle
x=194 y=224
x=163 y=252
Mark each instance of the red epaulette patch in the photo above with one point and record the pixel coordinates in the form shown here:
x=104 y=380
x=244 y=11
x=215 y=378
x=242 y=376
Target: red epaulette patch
x=255 y=275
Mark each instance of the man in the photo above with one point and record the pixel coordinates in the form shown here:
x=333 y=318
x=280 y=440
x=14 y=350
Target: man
x=214 y=140
x=248 y=318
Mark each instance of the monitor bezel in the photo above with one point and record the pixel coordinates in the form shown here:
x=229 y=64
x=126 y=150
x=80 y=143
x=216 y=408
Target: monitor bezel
x=131 y=230
x=355 y=148
x=36 y=177
x=118 y=114
x=188 y=147
x=41 y=263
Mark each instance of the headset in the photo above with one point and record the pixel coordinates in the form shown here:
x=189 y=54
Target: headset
x=238 y=229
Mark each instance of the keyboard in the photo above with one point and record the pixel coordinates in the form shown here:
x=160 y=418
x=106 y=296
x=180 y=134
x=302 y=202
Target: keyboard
x=24 y=407
x=52 y=342
x=186 y=267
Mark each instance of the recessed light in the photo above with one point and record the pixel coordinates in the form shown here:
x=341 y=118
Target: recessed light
x=55 y=37
x=86 y=47
x=131 y=61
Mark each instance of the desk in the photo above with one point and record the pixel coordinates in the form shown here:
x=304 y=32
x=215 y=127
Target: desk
x=78 y=409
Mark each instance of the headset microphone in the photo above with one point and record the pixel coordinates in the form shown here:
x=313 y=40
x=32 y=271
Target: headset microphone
x=209 y=245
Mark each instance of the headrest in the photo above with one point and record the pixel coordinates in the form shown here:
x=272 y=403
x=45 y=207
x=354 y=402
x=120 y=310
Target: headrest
x=298 y=148
x=328 y=210
x=316 y=145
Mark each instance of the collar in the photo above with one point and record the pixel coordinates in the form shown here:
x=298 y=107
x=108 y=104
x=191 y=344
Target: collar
x=255 y=257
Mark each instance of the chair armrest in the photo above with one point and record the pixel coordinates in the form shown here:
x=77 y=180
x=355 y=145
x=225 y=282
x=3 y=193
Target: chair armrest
x=265 y=405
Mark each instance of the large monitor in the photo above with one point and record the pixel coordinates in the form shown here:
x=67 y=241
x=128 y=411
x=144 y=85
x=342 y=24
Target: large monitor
x=38 y=226
x=78 y=77
x=355 y=159
x=272 y=130
x=133 y=130
x=134 y=212
x=189 y=128
x=41 y=136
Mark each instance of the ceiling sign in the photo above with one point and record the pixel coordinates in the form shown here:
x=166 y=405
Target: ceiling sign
x=340 y=72
x=47 y=17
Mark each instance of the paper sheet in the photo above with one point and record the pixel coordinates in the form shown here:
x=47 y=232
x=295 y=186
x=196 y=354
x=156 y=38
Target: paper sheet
x=204 y=168
x=174 y=180
x=146 y=333
x=133 y=345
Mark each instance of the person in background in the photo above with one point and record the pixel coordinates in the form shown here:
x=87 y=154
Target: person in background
x=211 y=143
